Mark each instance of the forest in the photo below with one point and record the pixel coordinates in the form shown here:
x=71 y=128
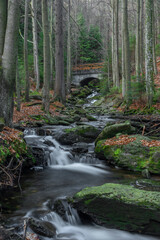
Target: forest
x=79 y=119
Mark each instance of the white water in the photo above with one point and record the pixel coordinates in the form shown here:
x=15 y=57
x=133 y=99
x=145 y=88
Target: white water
x=73 y=230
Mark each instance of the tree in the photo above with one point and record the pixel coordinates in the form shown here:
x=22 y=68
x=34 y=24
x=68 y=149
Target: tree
x=9 y=19
x=149 y=51
x=126 y=52
x=35 y=43
x=46 y=56
x=26 y=51
x=115 y=54
x=138 y=42
x=69 y=50
x=59 y=90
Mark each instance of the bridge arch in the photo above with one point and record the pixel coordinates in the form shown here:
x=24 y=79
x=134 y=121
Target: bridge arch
x=87 y=80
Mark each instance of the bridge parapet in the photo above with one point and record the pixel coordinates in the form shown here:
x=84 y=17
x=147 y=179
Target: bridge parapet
x=88 y=67
x=86 y=72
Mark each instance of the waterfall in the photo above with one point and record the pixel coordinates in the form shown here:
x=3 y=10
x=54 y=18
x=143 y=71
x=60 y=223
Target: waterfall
x=57 y=155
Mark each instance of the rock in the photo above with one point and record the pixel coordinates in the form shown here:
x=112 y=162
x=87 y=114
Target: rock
x=132 y=156
x=146 y=174
x=112 y=129
x=1 y=124
x=148 y=184
x=80 y=147
x=42 y=228
x=121 y=206
x=84 y=133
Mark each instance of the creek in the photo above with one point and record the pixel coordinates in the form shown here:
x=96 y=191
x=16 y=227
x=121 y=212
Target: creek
x=67 y=172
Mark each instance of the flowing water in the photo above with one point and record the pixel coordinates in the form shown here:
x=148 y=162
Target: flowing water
x=67 y=173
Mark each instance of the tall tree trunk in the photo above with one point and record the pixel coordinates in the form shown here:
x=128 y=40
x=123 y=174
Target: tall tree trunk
x=18 y=87
x=127 y=74
x=149 y=51
x=3 y=22
x=26 y=51
x=69 y=50
x=138 y=42
x=51 y=45
x=115 y=54
x=59 y=61
x=123 y=69
x=154 y=41
x=141 y=35
x=35 y=43
x=8 y=73
x=46 y=56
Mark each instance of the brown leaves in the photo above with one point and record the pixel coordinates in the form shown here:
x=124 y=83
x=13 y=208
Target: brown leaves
x=10 y=134
x=152 y=143
x=122 y=140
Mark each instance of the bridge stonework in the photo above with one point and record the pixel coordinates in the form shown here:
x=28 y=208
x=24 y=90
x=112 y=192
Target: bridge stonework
x=86 y=72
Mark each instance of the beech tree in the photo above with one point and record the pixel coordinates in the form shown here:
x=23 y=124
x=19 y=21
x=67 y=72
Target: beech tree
x=69 y=50
x=149 y=51
x=26 y=51
x=115 y=54
x=35 y=43
x=9 y=19
x=126 y=53
x=137 y=54
x=59 y=90
x=46 y=56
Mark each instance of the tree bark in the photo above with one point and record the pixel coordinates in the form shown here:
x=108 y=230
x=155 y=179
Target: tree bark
x=26 y=51
x=154 y=41
x=46 y=56
x=138 y=42
x=59 y=61
x=8 y=73
x=128 y=96
x=35 y=43
x=18 y=87
x=149 y=52
x=115 y=54
x=3 y=22
x=141 y=35
x=69 y=51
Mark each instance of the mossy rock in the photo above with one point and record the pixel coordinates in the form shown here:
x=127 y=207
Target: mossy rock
x=84 y=133
x=121 y=206
x=112 y=129
x=132 y=156
x=90 y=118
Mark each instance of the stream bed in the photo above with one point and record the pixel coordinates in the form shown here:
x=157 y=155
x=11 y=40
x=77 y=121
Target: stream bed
x=67 y=172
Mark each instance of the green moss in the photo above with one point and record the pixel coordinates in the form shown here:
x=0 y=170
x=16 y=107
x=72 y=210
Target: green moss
x=123 y=193
x=133 y=156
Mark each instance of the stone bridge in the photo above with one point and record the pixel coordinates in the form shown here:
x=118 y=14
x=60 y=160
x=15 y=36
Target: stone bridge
x=84 y=73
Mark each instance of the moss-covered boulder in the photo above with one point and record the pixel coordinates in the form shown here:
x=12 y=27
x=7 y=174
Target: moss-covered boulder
x=112 y=129
x=84 y=133
x=130 y=152
x=121 y=206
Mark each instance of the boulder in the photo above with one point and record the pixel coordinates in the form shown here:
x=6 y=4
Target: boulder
x=84 y=133
x=133 y=156
x=112 y=129
x=42 y=228
x=121 y=206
